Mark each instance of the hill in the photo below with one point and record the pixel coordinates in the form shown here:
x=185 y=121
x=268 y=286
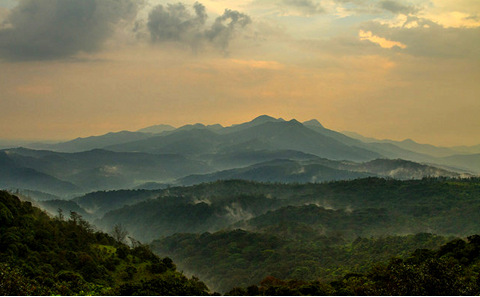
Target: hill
x=99 y=203
x=439 y=205
x=266 y=131
x=239 y=258
x=157 y=129
x=284 y=171
x=321 y=170
x=65 y=256
x=409 y=144
x=469 y=162
x=448 y=270
x=13 y=175
x=93 y=142
x=91 y=170
x=201 y=153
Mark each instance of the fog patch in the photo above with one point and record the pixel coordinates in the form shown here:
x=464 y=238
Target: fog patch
x=299 y=170
x=325 y=205
x=202 y=200
x=110 y=170
x=92 y=210
x=236 y=213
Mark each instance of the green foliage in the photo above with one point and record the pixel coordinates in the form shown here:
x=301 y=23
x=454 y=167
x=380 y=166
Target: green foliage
x=14 y=283
x=44 y=256
x=300 y=239
x=364 y=207
x=171 y=283
x=444 y=272
x=241 y=258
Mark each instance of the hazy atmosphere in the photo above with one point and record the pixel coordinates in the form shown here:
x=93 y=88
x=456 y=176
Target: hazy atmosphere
x=382 y=68
x=244 y=148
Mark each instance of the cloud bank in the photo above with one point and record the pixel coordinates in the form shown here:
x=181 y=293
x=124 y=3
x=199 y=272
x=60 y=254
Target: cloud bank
x=425 y=38
x=174 y=22
x=55 y=29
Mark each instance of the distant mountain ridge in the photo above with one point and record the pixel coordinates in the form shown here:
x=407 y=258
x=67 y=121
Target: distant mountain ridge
x=197 y=153
x=409 y=144
x=94 y=142
x=68 y=173
x=157 y=129
x=321 y=170
x=401 y=149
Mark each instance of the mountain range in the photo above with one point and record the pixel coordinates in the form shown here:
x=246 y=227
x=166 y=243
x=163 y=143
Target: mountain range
x=264 y=149
x=233 y=205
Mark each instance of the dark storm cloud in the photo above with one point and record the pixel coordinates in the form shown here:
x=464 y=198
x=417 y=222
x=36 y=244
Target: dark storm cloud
x=174 y=22
x=55 y=29
x=224 y=28
x=396 y=7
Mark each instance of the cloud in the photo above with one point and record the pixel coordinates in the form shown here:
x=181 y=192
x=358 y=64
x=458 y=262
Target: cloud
x=290 y=7
x=379 y=40
x=175 y=23
x=396 y=7
x=306 y=7
x=56 y=29
x=422 y=37
x=224 y=28
x=349 y=7
x=472 y=17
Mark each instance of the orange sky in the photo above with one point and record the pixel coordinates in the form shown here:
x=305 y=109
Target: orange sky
x=385 y=69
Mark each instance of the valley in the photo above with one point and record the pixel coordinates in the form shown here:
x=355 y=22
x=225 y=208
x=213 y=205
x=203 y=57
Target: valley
x=260 y=204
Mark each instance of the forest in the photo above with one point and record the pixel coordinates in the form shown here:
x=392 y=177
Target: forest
x=369 y=236
x=363 y=207
x=65 y=255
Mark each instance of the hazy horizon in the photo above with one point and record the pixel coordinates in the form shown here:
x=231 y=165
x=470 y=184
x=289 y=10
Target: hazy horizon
x=387 y=69
x=6 y=142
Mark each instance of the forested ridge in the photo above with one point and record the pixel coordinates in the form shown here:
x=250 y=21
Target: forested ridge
x=363 y=207
x=40 y=255
x=271 y=239
x=320 y=231
x=240 y=258
x=452 y=270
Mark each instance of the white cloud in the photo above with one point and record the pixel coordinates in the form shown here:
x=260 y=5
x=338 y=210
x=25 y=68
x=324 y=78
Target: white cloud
x=385 y=43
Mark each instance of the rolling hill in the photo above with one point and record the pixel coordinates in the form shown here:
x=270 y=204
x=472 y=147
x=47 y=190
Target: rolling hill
x=93 y=170
x=125 y=159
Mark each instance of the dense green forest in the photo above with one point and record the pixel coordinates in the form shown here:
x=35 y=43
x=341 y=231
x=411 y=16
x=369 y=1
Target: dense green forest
x=40 y=255
x=368 y=236
x=240 y=258
x=452 y=270
x=362 y=207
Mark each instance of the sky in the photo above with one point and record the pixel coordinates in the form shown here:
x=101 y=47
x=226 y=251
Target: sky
x=393 y=69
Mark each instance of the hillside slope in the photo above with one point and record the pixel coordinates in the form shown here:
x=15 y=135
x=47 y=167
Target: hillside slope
x=65 y=256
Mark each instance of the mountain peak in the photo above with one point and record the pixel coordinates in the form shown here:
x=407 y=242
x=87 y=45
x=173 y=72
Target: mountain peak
x=264 y=119
x=313 y=122
x=295 y=122
x=157 y=129
x=408 y=140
